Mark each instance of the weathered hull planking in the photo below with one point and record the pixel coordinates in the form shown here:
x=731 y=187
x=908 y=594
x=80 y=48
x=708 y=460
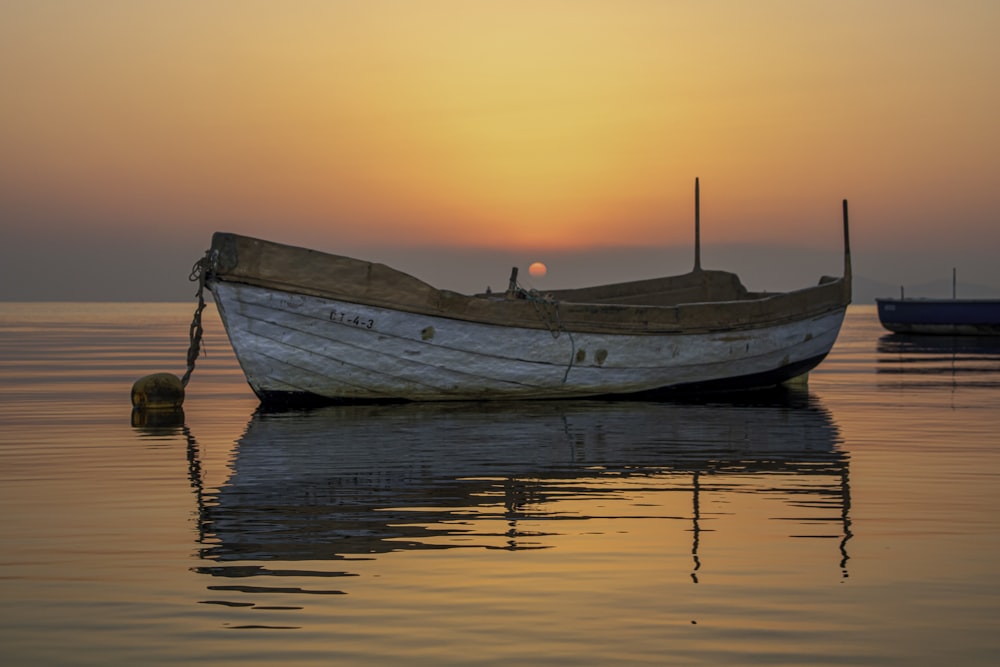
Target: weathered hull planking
x=297 y=348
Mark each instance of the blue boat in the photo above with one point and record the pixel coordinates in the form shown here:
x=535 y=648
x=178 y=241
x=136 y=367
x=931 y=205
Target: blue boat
x=949 y=317
x=955 y=317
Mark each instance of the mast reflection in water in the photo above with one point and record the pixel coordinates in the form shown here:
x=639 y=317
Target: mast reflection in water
x=350 y=482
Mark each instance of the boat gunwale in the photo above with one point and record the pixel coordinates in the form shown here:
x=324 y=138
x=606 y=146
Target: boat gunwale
x=243 y=259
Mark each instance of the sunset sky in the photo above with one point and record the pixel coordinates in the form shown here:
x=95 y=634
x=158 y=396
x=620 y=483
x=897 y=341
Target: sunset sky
x=454 y=139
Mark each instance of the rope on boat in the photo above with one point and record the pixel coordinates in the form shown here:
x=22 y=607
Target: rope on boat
x=199 y=273
x=551 y=320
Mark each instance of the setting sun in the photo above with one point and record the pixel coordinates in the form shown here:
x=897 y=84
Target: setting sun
x=538 y=270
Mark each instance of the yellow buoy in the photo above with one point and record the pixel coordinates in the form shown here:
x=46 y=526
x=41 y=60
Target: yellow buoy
x=159 y=391
x=163 y=393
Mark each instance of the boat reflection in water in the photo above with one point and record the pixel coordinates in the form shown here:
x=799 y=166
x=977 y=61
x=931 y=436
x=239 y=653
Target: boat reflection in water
x=936 y=361
x=352 y=481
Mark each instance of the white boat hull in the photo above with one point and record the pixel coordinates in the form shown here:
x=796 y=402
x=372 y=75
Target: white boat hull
x=293 y=346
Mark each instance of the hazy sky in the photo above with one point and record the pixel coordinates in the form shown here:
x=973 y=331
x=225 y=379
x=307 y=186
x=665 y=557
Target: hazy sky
x=456 y=138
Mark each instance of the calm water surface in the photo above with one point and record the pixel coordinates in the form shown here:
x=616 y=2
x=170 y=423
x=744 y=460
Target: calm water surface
x=851 y=522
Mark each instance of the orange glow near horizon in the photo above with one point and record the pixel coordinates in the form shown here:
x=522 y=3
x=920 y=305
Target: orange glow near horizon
x=522 y=125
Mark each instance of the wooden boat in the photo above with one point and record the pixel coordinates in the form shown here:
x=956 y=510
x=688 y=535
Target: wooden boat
x=310 y=327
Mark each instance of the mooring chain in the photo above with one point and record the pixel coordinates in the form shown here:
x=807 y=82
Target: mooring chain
x=199 y=274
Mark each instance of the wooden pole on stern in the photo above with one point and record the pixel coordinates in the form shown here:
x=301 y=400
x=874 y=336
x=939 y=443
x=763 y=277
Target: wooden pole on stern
x=847 y=245
x=697 y=226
